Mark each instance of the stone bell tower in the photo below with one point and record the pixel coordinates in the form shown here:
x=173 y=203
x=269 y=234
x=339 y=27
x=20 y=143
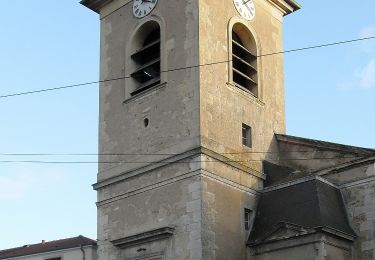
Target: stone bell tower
x=189 y=105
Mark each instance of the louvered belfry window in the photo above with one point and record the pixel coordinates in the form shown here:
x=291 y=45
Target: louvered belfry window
x=147 y=60
x=244 y=64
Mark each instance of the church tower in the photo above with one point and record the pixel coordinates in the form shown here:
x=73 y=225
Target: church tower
x=190 y=100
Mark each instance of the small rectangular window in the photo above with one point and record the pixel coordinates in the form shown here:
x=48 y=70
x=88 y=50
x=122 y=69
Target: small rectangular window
x=246 y=135
x=54 y=258
x=248 y=214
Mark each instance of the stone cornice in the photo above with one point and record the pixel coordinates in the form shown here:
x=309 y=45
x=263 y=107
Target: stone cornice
x=286 y=6
x=145 y=237
x=95 y=5
x=182 y=157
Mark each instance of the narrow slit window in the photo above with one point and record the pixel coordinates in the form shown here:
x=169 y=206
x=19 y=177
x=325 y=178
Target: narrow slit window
x=246 y=135
x=244 y=60
x=147 y=60
x=248 y=215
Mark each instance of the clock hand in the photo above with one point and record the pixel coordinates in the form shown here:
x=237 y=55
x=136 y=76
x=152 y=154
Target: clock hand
x=248 y=8
x=245 y=4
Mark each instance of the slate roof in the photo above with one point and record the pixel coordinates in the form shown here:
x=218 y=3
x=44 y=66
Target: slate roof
x=310 y=204
x=47 y=247
x=278 y=174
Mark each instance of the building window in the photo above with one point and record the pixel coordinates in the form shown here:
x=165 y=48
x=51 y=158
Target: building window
x=244 y=59
x=248 y=219
x=246 y=135
x=146 y=58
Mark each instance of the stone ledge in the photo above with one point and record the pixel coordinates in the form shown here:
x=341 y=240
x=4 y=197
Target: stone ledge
x=145 y=93
x=95 y=5
x=145 y=237
x=286 y=6
x=187 y=155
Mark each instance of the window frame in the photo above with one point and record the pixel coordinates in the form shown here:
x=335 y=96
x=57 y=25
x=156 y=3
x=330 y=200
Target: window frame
x=248 y=215
x=147 y=58
x=54 y=258
x=244 y=65
x=130 y=66
x=247 y=136
x=237 y=21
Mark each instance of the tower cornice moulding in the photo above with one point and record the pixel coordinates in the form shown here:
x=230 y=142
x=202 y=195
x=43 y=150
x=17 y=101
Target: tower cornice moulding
x=286 y=6
x=95 y=5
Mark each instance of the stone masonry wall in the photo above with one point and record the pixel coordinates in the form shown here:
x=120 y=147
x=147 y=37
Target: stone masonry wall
x=360 y=202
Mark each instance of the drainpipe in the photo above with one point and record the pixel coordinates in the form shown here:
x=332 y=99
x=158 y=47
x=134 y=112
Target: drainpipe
x=83 y=252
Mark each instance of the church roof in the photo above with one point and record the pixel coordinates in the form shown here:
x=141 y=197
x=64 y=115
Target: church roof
x=279 y=174
x=309 y=203
x=47 y=246
x=318 y=144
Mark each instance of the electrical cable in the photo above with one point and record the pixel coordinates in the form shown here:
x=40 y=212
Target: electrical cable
x=129 y=154
x=165 y=162
x=183 y=68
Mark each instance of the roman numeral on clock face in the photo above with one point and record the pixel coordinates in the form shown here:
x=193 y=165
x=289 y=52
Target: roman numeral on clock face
x=245 y=8
x=141 y=8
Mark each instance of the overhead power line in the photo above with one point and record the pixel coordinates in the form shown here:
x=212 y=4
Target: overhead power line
x=156 y=154
x=187 y=67
x=165 y=162
x=321 y=46
x=59 y=88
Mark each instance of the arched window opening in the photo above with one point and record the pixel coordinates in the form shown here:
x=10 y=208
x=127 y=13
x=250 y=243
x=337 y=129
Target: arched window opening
x=244 y=59
x=147 y=58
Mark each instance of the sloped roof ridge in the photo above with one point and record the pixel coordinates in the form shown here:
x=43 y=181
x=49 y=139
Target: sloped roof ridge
x=325 y=219
x=310 y=177
x=47 y=246
x=4 y=251
x=319 y=203
x=345 y=166
x=324 y=144
x=82 y=238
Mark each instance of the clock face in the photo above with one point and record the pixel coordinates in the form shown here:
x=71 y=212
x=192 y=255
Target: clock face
x=141 y=8
x=246 y=8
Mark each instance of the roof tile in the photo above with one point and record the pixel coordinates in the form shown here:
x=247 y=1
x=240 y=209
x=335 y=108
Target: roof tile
x=47 y=246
